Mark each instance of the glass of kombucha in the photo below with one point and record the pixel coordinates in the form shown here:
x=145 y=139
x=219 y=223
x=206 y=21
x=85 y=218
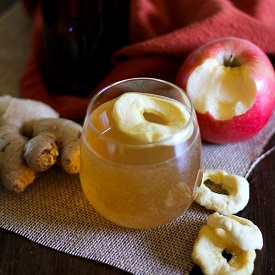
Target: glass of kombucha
x=139 y=184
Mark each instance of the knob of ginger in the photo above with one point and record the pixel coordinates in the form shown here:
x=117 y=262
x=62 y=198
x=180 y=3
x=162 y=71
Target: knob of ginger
x=32 y=139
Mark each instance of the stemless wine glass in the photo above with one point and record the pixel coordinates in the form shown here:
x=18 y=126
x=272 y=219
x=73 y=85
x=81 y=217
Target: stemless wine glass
x=139 y=185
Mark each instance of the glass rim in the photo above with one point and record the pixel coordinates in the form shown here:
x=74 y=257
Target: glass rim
x=164 y=140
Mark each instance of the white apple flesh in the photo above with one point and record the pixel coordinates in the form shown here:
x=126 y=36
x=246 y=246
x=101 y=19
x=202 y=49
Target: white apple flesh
x=231 y=83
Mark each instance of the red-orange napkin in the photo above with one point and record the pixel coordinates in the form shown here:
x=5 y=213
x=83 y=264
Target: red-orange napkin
x=162 y=33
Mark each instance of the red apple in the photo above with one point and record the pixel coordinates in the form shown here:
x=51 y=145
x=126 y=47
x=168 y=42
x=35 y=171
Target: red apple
x=231 y=83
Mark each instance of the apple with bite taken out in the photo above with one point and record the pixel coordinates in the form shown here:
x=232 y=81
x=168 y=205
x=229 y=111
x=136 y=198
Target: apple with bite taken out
x=231 y=83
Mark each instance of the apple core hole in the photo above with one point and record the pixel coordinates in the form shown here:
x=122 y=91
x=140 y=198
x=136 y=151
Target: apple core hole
x=227 y=255
x=154 y=118
x=215 y=187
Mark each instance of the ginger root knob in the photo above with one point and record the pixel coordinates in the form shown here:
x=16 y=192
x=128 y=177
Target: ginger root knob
x=32 y=139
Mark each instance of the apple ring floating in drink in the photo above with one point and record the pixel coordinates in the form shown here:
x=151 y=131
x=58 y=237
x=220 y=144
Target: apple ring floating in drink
x=208 y=253
x=148 y=118
x=236 y=186
x=244 y=233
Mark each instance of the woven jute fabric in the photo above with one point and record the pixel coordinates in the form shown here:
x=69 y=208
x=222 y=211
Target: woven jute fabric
x=54 y=212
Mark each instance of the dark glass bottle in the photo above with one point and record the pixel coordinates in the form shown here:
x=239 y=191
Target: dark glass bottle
x=79 y=37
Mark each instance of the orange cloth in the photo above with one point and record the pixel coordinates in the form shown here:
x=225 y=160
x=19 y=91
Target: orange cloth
x=162 y=33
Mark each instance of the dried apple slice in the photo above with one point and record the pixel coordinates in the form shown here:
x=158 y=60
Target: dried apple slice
x=208 y=251
x=237 y=188
x=243 y=232
x=148 y=118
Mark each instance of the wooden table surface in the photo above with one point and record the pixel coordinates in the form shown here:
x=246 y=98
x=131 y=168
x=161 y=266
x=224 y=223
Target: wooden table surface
x=18 y=255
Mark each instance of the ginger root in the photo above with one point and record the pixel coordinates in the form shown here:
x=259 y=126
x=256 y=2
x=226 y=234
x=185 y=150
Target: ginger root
x=51 y=136
x=32 y=139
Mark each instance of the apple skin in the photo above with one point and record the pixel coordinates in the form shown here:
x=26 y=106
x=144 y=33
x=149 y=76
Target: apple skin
x=248 y=124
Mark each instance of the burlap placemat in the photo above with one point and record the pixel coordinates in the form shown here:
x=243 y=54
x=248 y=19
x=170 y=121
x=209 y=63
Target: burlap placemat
x=54 y=212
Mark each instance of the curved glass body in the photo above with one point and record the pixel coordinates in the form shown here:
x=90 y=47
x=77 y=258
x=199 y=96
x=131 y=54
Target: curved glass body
x=138 y=185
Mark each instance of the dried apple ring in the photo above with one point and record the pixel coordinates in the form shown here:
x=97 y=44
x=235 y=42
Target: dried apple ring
x=208 y=253
x=131 y=109
x=236 y=186
x=242 y=232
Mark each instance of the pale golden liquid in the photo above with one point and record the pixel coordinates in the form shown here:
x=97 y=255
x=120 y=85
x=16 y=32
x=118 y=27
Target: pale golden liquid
x=136 y=186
